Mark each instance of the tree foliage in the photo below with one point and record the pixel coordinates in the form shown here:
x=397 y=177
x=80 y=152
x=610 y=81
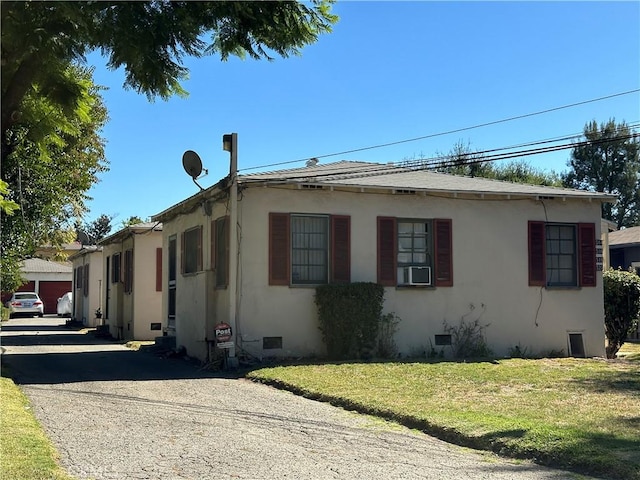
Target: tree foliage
x=608 y=162
x=148 y=39
x=56 y=157
x=462 y=160
x=97 y=229
x=52 y=112
x=132 y=220
x=621 y=307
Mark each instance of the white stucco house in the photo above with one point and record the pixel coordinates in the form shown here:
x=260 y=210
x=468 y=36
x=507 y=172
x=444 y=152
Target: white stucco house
x=132 y=291
x=520 y=258
x=87 y=284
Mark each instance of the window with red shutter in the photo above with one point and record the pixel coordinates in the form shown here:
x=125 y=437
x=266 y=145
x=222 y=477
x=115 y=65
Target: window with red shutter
x=561 y=254
x=309 y=249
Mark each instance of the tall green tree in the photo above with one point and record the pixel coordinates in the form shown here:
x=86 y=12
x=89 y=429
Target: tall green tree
x=608 y=161
x=148 y=39
x=55 y=159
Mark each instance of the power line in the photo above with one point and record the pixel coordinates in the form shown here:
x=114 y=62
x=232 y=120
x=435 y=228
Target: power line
x=438 y=162
x=517 y=117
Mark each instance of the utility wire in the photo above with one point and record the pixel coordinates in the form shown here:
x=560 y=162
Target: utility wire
x=517 y=117
x=432 y=163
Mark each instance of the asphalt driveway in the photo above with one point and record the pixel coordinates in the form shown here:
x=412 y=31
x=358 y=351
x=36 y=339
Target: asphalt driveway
x=114 y=413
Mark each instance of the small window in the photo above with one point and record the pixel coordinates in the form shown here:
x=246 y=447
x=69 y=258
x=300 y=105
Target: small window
x=576 y=345
x=79 y=284
x=115 y=269
x=192 y=250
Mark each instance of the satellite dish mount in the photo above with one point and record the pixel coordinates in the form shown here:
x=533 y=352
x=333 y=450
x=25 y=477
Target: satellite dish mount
x=193 y=166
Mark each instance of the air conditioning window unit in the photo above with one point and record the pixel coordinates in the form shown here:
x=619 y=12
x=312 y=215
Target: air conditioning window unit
x=418 y=275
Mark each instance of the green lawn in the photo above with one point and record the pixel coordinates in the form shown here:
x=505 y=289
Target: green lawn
x=25 y=451
x=578 y=414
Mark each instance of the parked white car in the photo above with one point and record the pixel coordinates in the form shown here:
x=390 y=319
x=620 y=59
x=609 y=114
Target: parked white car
x=25 y=303
x=65 y=305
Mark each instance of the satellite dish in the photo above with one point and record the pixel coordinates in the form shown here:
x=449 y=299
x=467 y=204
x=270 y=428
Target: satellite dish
x=192 y=164
x=83 y=238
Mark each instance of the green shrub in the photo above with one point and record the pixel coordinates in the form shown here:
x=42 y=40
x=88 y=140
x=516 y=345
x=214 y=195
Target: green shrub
x=621 y=307
x=468 y=340
x=350 y=317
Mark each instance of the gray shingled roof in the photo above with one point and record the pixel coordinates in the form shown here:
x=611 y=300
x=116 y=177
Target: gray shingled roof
x=626 y=236
x=38 y=265
x=135 y=228
x=381 y=176
x=376 y=175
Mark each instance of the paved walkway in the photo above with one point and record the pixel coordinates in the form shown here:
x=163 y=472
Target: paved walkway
x=117 y=414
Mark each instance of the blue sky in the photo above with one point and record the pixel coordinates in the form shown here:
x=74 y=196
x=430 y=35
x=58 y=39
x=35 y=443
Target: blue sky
x=390 y=71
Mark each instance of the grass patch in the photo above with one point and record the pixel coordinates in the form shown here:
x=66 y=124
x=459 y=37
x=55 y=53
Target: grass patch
x=578 y=414
x=25 y=451
x=630 y=352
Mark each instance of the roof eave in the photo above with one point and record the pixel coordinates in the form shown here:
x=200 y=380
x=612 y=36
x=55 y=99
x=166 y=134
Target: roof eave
x=561 y=194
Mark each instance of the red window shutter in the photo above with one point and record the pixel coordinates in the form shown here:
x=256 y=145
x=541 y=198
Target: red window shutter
x=158 y=269
x=587 y=254
x=443 y=247
x=387 y=250
x=537 y=254
x=340 y=249
x=279 y=246
x=212 y=253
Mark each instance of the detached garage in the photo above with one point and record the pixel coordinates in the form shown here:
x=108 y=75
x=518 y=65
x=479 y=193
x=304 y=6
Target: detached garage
x=49 y=279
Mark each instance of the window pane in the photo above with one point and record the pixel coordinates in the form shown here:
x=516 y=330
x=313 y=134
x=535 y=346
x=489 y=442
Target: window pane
x=419 y=258
x=561 y=255
x=414 y=246
x=404 y=228
x=404 y=244
x=309 y=249
x=404 y=257
x=192 y=250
